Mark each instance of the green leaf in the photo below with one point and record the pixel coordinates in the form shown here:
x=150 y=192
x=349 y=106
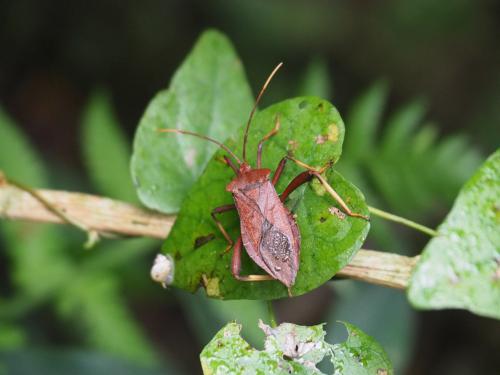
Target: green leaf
x=362 y=122
x=206 y=316
x=11 y=336
x=106 y=150
x=360 y=354
x=461 y=267
x=18 y=160
x=93 y=304
x=391 y=319
x=316 y=80
x=291 y=348
x=400 y=127
x=411 y=170
x=36 y=251
x=328 y=242
x=209 y=95
x=62 y=361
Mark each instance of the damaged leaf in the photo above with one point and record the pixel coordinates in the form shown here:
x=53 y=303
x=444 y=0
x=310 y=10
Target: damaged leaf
x=460 y=268
x=293 y=349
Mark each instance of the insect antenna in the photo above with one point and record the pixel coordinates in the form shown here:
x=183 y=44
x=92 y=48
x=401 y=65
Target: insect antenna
x=221 y=145
x=264 y=87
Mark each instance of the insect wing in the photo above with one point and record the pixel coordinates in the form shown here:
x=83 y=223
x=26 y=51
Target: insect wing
x=269 y=232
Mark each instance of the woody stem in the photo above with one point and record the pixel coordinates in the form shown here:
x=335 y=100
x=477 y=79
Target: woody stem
x=107 y=216
x=401 y=220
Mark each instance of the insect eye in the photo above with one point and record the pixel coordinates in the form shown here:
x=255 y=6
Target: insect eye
x=163 y=270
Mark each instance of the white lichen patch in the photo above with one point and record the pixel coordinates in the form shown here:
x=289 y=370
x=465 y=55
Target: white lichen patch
x=163 y=269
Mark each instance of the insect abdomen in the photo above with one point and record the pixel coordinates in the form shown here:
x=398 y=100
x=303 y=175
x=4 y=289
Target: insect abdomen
x=275 y=242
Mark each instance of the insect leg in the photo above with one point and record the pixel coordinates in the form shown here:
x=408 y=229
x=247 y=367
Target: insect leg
x=307 y=176
x=301 y=179
x=337 y=197
x=279 y=170
x=236 y=266
x=266 y=137
x=218 y=210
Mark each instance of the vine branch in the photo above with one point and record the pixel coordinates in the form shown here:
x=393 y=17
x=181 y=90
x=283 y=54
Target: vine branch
x=108 y=216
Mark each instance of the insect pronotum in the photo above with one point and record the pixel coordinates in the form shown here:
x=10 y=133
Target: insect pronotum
x=269 y=232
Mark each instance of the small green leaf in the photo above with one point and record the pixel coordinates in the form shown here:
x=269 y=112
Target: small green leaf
x=328 y=241
x=209 y=95
x=18 y=160
x=11 y=336
x=291 y=348
x=61 y=361
x=400 y=127
x=207 y=315
x=316 y=80
x=92 y=303
x=461 y=267
x=391 y=319
x=360 y=354
x=362 y=122
x=39 y=263
x=106 y=150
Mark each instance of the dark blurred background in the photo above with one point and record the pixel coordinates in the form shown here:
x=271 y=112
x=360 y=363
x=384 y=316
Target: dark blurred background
x=442 y=55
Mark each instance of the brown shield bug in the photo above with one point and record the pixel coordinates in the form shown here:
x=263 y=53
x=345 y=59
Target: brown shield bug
x=269 y=232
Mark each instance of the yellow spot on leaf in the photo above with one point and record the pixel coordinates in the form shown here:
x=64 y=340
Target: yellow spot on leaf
x=333 y=132
x=331 y=136
x=212 y=287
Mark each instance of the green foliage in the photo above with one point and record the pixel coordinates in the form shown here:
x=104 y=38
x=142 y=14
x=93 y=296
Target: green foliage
x=461 y=267
x=207 y=315
x=11 y=336
x=360 y=354
x=43 y=266
x=75 y=362
x=290 y=348
x=106 y=150
x=209 y=94
x=384 y=313
x=94 y=301
x=327 y=242
x=16 y=151
x=406 y=169
x=316 y=80
x=36 y=252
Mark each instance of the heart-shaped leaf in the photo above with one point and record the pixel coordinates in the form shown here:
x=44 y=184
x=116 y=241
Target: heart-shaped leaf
x=461 y=267
x=291 y=348
x=209 y=94
x=312 y=129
